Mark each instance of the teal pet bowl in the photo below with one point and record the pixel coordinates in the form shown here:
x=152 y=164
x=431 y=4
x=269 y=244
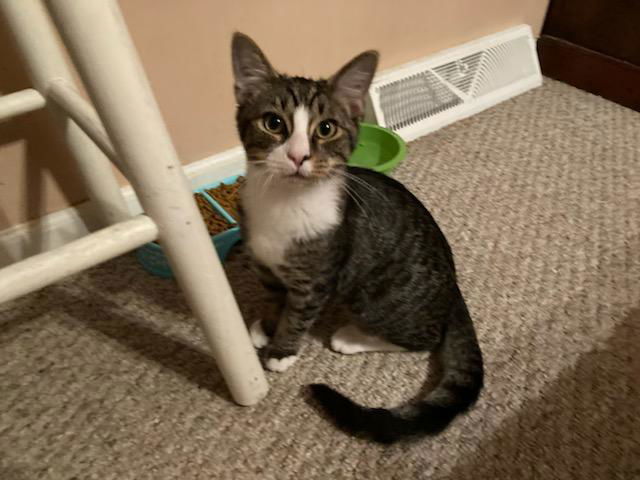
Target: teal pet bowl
x=378 y=148
x=152 y=257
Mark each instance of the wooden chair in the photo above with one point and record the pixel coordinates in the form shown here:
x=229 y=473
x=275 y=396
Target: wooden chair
x=126 y=128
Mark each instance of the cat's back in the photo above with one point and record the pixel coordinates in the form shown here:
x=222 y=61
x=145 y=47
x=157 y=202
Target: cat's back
x=383 y=213
x=384 y=197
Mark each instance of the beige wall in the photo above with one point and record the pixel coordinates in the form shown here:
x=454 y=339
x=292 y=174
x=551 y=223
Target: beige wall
x=184 y=46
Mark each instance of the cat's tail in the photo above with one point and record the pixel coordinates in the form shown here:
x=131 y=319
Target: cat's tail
x=458 y=389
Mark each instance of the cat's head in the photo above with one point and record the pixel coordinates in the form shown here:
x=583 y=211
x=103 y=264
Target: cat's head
x=293 y=128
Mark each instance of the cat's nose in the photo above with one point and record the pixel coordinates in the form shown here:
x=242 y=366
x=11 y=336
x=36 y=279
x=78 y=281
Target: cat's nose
x=297 y=159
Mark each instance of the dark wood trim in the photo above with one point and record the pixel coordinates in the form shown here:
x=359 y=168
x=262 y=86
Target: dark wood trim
x=608 y=77
x=606 y=26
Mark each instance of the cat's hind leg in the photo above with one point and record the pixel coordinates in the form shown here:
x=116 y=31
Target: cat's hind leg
x=350 y=339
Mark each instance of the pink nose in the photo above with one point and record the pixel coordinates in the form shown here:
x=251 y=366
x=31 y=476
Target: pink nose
x=297 y=159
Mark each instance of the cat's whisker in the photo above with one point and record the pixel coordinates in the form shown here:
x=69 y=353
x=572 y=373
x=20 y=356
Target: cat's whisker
x=364 y=184
x=357 y=200
x=265 y=184
x=346 y=190
x=360 y=182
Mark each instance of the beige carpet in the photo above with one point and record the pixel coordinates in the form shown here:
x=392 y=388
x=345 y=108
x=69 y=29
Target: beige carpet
x=103 y=376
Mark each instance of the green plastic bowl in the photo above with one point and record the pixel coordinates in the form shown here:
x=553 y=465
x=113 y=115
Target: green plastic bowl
x=378 y=148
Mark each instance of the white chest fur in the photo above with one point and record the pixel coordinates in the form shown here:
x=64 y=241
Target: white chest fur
x=282 y=213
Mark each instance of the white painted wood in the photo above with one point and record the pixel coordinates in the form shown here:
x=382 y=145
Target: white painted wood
x=17 y=103
x=41 y=270
x=47 y=233
x=216 y=167
x=57 y=228
x=99 y=43
x=35 y=37
x=69 y=100
x=199 y=173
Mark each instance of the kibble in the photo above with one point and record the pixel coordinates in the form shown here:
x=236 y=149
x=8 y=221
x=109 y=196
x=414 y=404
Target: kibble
x=213 y=220
x=227 y=196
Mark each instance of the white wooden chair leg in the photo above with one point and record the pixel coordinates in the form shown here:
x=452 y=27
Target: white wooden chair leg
x=31 y=27
x=97 y=38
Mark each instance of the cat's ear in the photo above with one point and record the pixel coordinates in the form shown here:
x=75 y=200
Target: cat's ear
x=351 y=83
x=251 y=69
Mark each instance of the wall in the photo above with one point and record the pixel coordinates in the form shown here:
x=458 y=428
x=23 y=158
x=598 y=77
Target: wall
x=184 y=46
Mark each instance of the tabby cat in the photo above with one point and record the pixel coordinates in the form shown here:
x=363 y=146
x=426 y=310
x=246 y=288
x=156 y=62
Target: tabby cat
x=320 y=231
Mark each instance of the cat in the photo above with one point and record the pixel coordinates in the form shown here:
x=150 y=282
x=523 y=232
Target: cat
x=319 y=231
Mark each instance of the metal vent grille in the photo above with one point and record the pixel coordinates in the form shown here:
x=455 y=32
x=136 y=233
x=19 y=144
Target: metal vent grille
x=414 y=98
x=426 y=95
x=499 y=66
x=461 y=73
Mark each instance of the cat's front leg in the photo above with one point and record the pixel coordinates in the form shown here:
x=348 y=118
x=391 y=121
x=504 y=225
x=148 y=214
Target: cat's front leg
x=265 y=327
x=302 y=307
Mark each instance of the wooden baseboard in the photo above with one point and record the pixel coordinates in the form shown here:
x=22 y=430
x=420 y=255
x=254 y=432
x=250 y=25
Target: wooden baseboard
x=589 y=70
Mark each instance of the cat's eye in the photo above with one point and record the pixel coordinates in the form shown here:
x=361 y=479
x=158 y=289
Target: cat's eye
x=326 y=129
x=273 y=123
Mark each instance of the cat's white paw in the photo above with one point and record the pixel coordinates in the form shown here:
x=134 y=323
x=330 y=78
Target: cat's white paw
x=350 y=340
x=342 y=345
x=347 y=340
x=258 y=337
x=280 y=364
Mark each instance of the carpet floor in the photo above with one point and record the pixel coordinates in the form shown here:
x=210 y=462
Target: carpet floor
x=105 y=375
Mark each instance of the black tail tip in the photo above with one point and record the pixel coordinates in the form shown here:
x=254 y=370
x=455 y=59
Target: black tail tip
x=322 y=392
x=330 y=400
x=350 y=417
x=333 y=404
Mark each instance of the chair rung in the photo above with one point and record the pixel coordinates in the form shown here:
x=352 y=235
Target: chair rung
x=67 y=98
x=48 y=267
x=17 y=103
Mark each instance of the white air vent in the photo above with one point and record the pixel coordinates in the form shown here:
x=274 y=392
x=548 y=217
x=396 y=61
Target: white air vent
x=423 y=96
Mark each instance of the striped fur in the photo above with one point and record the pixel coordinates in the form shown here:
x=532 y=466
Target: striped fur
x=322 y=232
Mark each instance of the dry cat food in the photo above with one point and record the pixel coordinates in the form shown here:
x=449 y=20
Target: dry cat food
x=227 y=196
x=213 y=220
